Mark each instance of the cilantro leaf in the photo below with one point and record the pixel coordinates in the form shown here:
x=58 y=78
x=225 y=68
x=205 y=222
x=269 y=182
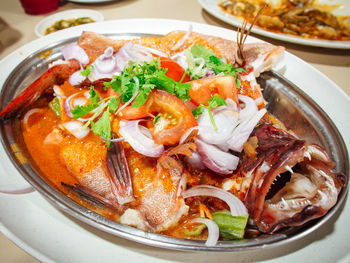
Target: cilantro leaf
x=79 y=111
x=211 y=62
x=113 y=104
x=149 y=76
x=216 y=101
x=94 y=95
x=198 y=111
x=143 y=95
x=86 y=72
x=102 y=127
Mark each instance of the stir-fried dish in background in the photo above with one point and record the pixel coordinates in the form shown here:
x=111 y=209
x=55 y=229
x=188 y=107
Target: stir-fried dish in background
x=171 y=135
x=308 y=19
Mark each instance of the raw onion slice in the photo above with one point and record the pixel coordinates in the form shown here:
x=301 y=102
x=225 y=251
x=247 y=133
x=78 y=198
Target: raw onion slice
x=140 y=138
x=73 y=51
x=181 y=59
x=113 y=140
x=182 y=40
x=80 y=99
x=76 y=129
x=241 y=134
x=249 y=109
x=58 y=92
x=187 y=133
x=213 y=230
x=225 y=119
x=106 y=62
x=237 y=207
x=151 y=50
x=133 y=52
x=29 y=114
x=215 y=159
x=195 y=161
x=76 y=78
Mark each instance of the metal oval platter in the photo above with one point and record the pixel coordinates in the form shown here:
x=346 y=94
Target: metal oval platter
x=285 y=101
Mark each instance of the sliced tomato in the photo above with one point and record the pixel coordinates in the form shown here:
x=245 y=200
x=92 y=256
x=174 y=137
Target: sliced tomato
x=175 y=117
x=181 y=117
x=132 y=113
x=129 y=112
x=175 y=71
x=203 y=89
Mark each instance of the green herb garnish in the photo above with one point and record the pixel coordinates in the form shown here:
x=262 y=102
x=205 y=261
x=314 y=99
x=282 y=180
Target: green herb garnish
x=143 y=78
x=113 y=104
x=199 y=54
x=79 y=111
x=102 y=127
x=213 y=103
x=86 y=72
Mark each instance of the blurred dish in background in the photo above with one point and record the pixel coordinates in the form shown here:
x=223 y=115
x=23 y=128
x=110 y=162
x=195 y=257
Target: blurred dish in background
x=67 y=19
x=66 y=23
x=319 y=20
x=305 y=18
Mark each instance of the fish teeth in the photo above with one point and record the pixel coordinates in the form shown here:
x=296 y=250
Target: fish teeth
x=307 y=155
x=323 y=195
x=289 y=169
x=286 y=206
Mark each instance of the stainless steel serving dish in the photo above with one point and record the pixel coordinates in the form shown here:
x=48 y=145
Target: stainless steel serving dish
x=286 y=101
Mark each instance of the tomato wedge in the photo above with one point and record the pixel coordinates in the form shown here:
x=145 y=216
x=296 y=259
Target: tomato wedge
x=175 y=118
x=203 y=89
x=175 y=71
x=168 y=130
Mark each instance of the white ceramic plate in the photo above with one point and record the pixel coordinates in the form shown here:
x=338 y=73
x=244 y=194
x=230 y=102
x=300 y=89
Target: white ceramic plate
x=41 y=27
x=51 y=235
x=211 y=6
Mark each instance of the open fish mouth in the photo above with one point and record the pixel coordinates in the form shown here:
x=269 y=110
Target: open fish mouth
x=292 y=182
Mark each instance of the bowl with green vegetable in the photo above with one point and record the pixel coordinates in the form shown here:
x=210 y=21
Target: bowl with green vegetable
x=67 y=19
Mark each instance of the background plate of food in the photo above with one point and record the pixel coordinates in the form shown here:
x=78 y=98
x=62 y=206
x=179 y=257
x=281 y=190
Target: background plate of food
x=315 y=23
x=26 y=219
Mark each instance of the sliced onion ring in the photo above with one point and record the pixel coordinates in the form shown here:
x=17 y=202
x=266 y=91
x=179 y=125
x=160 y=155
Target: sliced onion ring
x=250 y=108
x=237 y=207
x=213 y=230
x=74 y=51
x=76 y=78
x=182 y=40
x=139 y=138
x=28 y=114
x=113 y=140
x=215 y=159
x=187 y=133
x=241 y=134
x=75 y=128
